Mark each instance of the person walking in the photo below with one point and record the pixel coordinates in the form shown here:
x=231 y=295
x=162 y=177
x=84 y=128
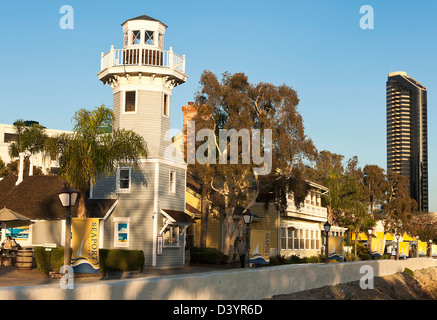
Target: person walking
x=241 y=250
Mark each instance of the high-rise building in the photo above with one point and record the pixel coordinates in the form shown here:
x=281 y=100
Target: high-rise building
x=407 y=133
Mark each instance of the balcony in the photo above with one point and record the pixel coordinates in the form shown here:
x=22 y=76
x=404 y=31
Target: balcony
x=142 y=60
x=307 y=211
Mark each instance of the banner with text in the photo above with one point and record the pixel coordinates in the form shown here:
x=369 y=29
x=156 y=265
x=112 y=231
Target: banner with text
x=259 y=247
x=335 y=248
x=85 y=248
x=434 y=250
x=404 y=248
x=377 y=246
x=422 y=248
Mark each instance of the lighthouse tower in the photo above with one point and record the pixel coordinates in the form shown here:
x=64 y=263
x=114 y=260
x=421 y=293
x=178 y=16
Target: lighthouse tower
x=150 y=203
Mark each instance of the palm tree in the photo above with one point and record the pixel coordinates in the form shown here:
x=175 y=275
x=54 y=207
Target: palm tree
x=94 y=148
x=30 y=139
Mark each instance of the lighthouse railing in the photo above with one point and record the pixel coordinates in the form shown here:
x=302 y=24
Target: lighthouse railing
x=143 y=56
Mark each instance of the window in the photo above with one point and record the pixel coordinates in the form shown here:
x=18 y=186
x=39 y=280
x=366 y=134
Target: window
x=148 y=37
x=290 y=239
x=136 y=37
x=171 y=236
x=129 y=102
x=121 y=232
x=172 y=181
x=301 y=239
x=123 y=180
x=166 y=110
x=307 y=240
x=283 y=239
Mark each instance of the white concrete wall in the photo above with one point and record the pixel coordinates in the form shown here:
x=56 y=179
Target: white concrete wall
x=238 y=284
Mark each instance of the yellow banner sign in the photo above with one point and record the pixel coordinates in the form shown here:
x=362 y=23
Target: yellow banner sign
x=335 y=248
x=377 y=246
x=85 y=255
x=422 y=248
x=404 y=248
x=434 y=250
x=259 y=247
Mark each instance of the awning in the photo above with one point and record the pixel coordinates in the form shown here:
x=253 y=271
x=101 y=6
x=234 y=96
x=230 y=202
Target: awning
x=361 y=237
x=7 y=215
x=177 y=217
x=388 y=236
x=406 y=237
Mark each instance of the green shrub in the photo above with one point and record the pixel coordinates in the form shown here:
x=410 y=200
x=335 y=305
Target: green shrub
x=277 y=260
x=207 y=256
x=121 y=260
x=409 y=271
x=42 y=259
x=295 y=259
x=362 y=252
x=110 y=260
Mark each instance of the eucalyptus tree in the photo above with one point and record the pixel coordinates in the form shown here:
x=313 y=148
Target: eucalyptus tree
x=234 y=109
x=398 y=208
x=93 y=149
x=374 y=184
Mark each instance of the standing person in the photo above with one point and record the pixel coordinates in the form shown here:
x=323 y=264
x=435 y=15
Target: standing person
x=241 y=250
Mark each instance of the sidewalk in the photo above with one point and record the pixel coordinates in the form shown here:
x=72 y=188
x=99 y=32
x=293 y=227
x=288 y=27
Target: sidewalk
x=12 y=277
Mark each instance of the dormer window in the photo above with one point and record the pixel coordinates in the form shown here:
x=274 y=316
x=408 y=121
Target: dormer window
x=136 y=37
x=148 y=37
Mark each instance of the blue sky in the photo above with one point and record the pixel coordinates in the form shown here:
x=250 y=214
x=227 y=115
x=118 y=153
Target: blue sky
x=316 y=47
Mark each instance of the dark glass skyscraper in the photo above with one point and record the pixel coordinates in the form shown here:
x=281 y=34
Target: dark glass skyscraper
x=407 y=133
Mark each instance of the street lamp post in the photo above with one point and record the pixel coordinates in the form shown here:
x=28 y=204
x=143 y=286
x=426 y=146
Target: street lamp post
x=397 y=235
x=370 y=232
x=417 y=247
x=68 y=197
x=327 y=228
x=248 y=218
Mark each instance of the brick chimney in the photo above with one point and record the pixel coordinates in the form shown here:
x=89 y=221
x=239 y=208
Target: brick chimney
x=189 y=112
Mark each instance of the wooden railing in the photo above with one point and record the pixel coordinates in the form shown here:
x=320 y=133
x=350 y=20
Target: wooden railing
x=143 y=56
x=308 y=210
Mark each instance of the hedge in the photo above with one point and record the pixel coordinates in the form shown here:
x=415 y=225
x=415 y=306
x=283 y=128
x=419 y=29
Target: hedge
x=207 y=256
x=110 y=260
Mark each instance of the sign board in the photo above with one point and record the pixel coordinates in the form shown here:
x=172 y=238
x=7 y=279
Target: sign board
x=377 y=246
x=335 y=249
x=85 y=249
x=422 y=248
x=49 y=245
x=159 y=245
x=259 y=247
x=404 y=248
x=434 y=250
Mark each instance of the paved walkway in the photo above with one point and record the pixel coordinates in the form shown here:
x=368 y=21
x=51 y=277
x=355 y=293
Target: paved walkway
x=11 y=276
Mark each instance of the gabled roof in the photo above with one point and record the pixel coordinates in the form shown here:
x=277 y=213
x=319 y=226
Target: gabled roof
x=144 y=17
x=36 y=197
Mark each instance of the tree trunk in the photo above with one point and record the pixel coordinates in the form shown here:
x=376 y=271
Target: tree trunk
x=81 y=210
x=204 y=222
x=356 y=240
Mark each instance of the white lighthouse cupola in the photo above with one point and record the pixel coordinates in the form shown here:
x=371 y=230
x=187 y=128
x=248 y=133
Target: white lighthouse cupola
x=143 y=31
